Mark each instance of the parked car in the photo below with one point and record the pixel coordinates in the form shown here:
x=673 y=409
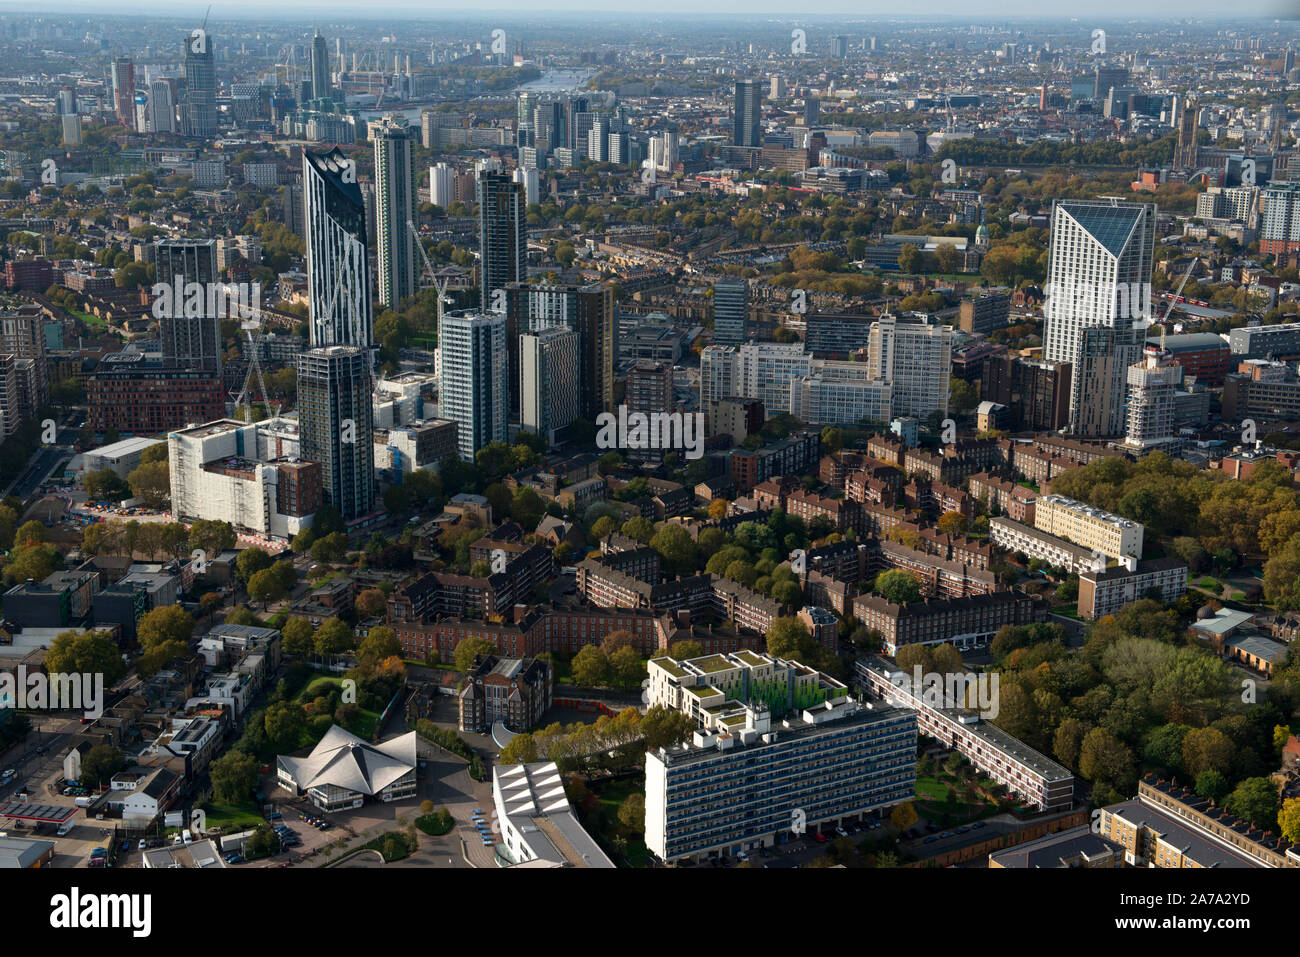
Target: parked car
x=144 y=845
x=930 y=839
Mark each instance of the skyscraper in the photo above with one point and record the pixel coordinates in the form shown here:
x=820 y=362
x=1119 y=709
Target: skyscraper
x=338 y=274
x=189 y=341
x=124 y=91
x=1185 y=153
x=1099 y=274
x=320 y=68
x=812 y=111
x=525 y=108
x=548 y=380
x=394 y=186
x=335 y=425
x=199 y=110
x=162 y=106
x=473 y=388
x=747 y=130
x=587 y=310
x=730 y=311
x=503 y=234
x=442 y=185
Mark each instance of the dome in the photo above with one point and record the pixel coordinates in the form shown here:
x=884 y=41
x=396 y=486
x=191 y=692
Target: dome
x=1205 y=611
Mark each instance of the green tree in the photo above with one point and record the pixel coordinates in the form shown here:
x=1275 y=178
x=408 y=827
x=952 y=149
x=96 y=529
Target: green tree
x=898 y=587
x=590 y=668
x=631 y=813
x=164 y=623
x=467 y=649
x=251 y=561
x=266 y=586
x=100 y=763
x=1254 y=800
x=333 y=637
x=298 y=637
x=89 y=652
x=234 y=776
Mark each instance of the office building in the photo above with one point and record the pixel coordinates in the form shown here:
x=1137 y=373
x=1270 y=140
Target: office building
x=748 y=109
x=1099 y=275
x=394 y=209
x=1105 y=79
x=473 y=377
x=189 y=341
x=730 y=311
x=199 y=108
x=548 y=380
x=335 y=425
x=515 y=692
x=586 y=309
x=338 y=273
x=320 y=69
x=503 y=235
x=914 y=355
x=782 y=749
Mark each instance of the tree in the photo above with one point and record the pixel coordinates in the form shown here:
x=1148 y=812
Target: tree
x=626 y=667
x=686 y=648
x=903 y=816
x=952 y=523
x=266 y=586
x=105 y=485
x=1105 y=759
x=590 y=668
x=157 y=656
x=675 y=545
x=284 y=723
x=371 y=603
x=333 y=637
x=251 y=561
x=298 y=636
x=380 y=643
x=604 y=526
x=1282 y=576
x=1288 y=820
x=467 y=649
x=1212 y=786
x=789 y=638
x=213 y=537
x=100 y=763
x=1254 y=800
x=330 y=548
x=1207 y=749
x=151 y=484
x=631 y=813
x=165 y=623
x=89 y=652
x=234 y=775
x=898 y=586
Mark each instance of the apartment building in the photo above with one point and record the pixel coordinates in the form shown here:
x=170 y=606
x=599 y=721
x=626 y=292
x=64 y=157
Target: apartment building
x=1168 y=826
x=781 y=749
x=1006 y=759
x=1005 y=495
x=514 y=691
x=969 y=622
x=1093 y=528
x=1012 y=536
x=1104 y=592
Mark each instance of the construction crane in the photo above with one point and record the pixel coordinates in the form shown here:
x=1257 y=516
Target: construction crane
x=252 y=323
x=439 y=280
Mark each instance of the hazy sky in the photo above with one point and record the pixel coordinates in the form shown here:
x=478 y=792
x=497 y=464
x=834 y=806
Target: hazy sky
x=435 y=9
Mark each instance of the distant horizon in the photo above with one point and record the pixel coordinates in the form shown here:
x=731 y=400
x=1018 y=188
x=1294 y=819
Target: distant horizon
x=938 y=10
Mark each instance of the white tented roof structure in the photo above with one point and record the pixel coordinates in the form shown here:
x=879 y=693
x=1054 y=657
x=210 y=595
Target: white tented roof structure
x=343 y=760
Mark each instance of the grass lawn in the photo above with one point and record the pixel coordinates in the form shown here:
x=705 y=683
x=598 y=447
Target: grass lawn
x=929 y=789
x=932 y=804
x=233 y=817
x=87 y=318
x=612 y=795
x=1210 y=584
x=1068 y=611
x=363 y=727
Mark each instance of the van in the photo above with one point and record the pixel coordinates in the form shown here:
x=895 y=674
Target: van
x=188 y=837
x=65 y=828
x=7 y=775
x=84 y=801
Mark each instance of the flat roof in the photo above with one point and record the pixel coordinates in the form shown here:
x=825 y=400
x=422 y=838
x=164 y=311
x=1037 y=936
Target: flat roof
x=125 y=447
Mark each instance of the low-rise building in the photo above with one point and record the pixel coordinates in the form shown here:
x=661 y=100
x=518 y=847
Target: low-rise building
x=514 y=691
x=969 y=622
x=1104 y=592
